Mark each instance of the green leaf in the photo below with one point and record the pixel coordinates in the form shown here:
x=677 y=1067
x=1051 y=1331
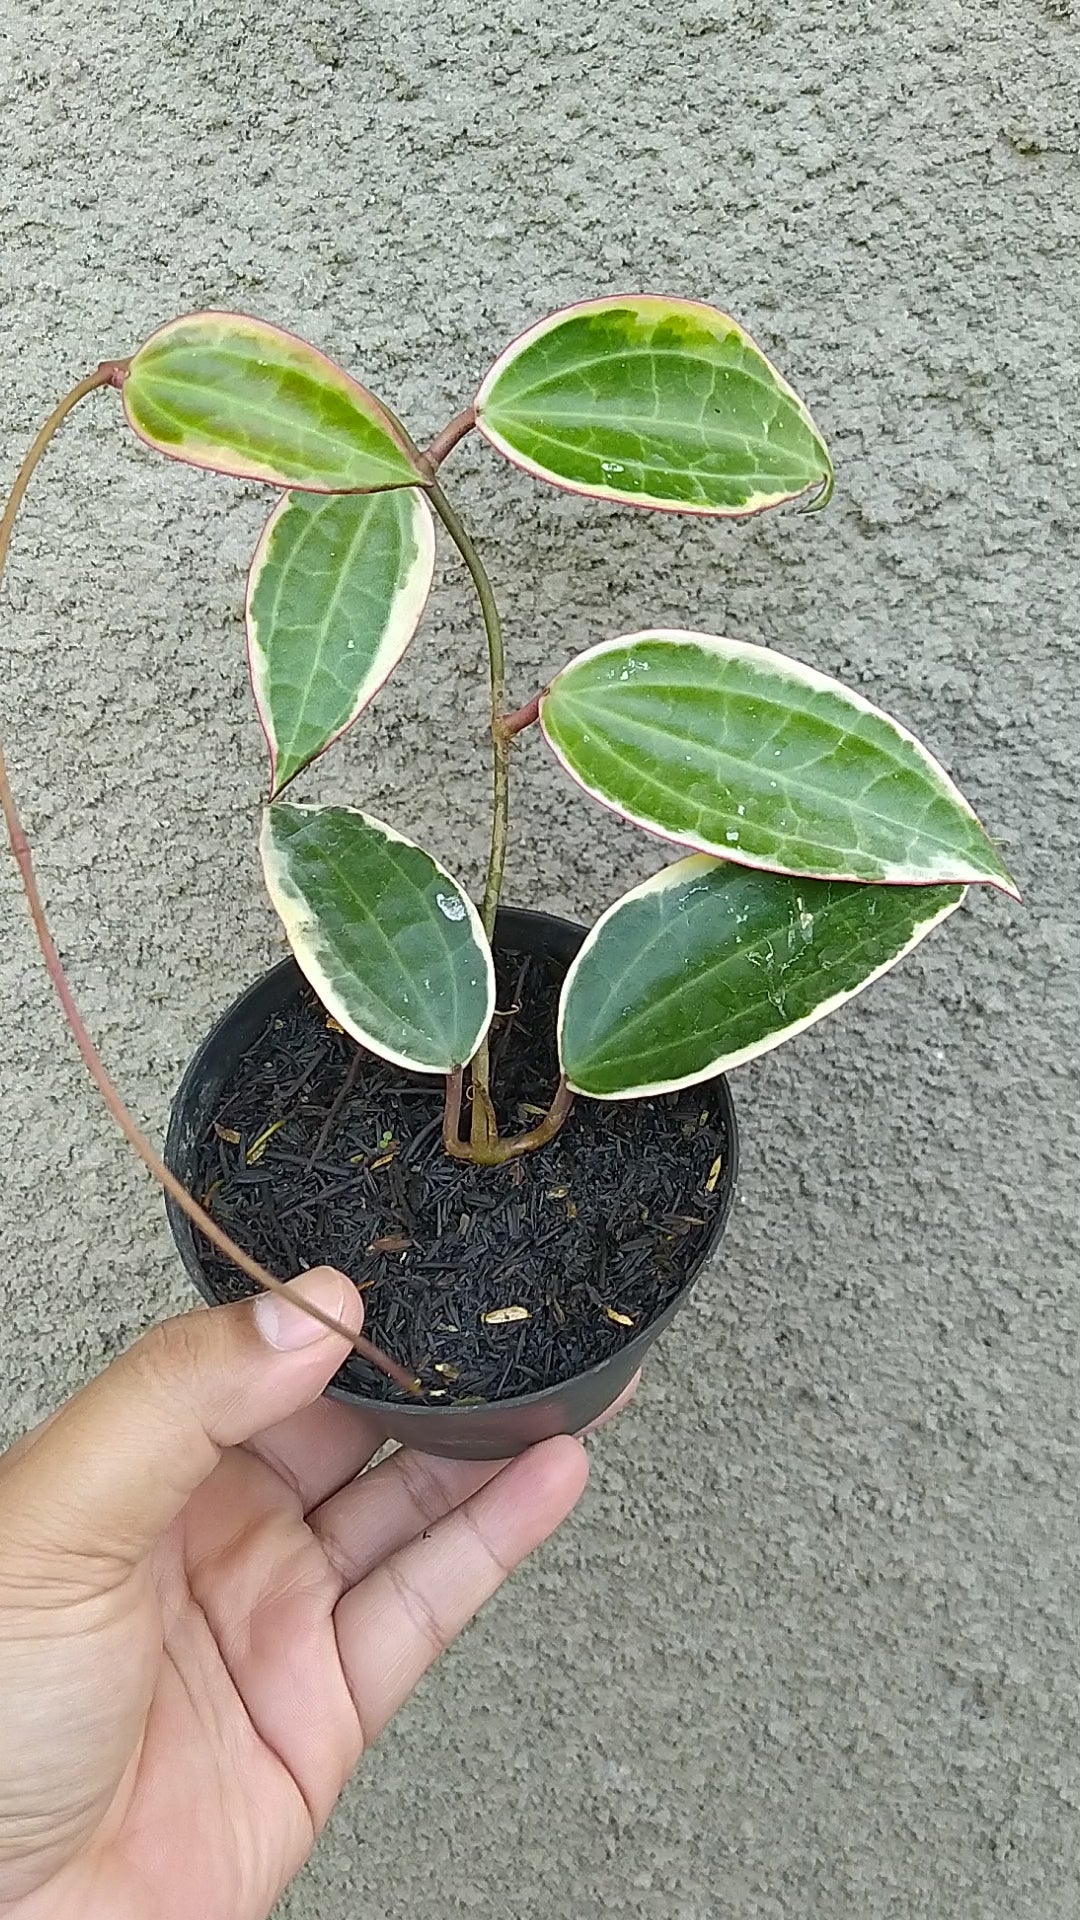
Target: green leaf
x=224 y=391
x=392 y=944
x=335 y=594
x=656 y=403
x=738 y=751
x=707 y=965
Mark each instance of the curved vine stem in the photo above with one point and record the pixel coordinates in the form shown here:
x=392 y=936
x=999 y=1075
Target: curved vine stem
x=485 y=593
x=484 y=1130
x=485 y=1147
x=111 y=373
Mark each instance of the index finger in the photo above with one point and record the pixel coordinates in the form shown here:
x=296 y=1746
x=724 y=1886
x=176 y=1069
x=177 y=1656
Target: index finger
x=398 y=1620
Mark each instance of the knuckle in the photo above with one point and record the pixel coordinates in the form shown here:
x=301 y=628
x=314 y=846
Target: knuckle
x=173 y=1350
x=418 y=1610
x=501 y=1566
x=422 y=1486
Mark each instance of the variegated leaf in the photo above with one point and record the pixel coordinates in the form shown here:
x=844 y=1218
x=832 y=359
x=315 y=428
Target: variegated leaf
x=224 y=391
x=656 y=403
x=738 y=751
x=336 y=591
x=391 y=943
x=708 y=965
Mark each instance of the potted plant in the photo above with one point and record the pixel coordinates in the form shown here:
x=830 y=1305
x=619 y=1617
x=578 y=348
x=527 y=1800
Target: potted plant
x=516 y=1134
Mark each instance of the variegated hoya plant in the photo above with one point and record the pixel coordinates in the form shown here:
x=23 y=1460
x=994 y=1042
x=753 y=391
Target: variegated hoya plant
x=817 y=841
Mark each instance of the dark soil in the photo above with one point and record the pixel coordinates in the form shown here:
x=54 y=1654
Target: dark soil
x=592 y=1236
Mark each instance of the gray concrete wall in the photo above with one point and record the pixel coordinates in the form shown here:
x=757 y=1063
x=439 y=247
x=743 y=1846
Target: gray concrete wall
x=810 y=1645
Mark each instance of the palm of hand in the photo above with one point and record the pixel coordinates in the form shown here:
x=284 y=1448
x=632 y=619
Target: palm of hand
x=250 y=1729
x=201 y=1716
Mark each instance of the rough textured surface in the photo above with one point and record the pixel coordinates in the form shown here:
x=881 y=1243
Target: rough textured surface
x=810 y=1645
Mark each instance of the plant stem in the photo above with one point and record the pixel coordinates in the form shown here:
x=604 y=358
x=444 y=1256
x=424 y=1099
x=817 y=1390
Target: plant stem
x=522 y=717
x=483 y=1126
x=484 y=1147
x=449 y=437
x=451 y=1120
x=494 y=1152
x=497 y=676
x=111 y=373
x=545 y=1129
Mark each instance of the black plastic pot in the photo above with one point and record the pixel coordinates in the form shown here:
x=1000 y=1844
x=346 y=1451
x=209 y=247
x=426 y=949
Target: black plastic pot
x=490 y=1432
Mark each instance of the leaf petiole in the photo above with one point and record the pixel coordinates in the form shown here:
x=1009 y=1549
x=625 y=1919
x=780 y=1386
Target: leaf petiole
x=449 y=437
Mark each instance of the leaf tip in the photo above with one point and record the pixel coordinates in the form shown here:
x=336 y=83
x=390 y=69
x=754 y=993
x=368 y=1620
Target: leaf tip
x=820 y=500
x=992 y=871
x=1007 y=885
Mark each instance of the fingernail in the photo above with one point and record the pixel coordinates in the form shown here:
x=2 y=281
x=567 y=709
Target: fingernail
x=286 y=1327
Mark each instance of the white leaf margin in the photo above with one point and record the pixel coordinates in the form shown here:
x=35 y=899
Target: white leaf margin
x=812 y=678
x=642 y=303
x=406 y=612
x=300 y=923
x=669 y=879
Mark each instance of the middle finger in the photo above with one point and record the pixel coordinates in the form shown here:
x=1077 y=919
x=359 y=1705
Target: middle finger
x=364 y=1523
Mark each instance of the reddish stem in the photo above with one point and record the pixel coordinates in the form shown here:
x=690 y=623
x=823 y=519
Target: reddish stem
x=451 y=1125
x=522 y=717
x=546 y=1129
x=111 y=373
x=449 y=437
x=492 y=1151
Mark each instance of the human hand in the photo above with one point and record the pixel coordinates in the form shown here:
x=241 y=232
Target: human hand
x=205 y=1616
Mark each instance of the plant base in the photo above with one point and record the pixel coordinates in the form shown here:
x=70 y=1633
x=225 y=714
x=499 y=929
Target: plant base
x=524 y=1296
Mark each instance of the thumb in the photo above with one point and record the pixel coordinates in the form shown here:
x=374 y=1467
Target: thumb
x=115 y=1466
